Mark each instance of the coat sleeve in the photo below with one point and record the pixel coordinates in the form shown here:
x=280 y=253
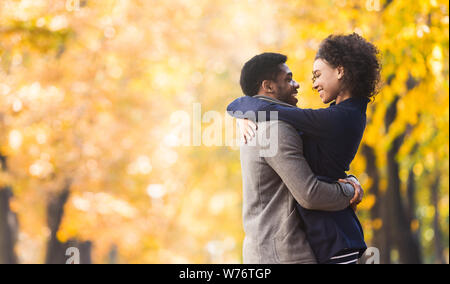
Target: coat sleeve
x=290 y=164
x=316 y=122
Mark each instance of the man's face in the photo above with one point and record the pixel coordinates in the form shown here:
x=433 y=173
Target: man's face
x=285 y=87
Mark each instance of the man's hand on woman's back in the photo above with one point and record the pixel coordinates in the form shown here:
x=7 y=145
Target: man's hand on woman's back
x=247 y=129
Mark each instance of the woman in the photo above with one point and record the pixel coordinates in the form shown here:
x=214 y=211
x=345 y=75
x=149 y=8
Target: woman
x=346 y=71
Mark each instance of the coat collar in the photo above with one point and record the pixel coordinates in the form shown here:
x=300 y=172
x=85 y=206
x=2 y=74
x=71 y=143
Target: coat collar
x=266 y=98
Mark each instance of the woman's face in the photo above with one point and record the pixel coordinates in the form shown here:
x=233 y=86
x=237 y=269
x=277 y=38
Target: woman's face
x=326 y=80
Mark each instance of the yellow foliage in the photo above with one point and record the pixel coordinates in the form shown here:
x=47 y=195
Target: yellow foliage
x=377 y=224
x=86 y=96
x=415 y=225
x=367 y=202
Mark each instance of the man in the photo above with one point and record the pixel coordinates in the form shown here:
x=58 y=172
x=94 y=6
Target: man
x=274 y=183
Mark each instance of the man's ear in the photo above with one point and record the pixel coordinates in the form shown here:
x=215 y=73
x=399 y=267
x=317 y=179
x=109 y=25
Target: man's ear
x=340 y=72
x=267 y=86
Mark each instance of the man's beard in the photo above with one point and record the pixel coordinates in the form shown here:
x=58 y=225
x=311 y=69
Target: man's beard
x=289 y=99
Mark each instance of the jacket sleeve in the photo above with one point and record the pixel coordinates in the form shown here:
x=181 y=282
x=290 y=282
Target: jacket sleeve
x=290 y=164
x=317 y=122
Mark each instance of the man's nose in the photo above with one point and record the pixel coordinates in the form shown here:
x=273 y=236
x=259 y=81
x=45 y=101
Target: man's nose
x=315 y=85
x=296 y=85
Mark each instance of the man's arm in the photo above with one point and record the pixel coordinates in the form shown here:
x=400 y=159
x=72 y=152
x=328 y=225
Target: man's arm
x=290 y=164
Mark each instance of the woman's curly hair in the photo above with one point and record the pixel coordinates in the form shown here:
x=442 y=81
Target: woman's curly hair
x=358 y=57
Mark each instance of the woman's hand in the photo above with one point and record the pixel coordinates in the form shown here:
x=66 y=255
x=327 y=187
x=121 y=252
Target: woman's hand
x=247 y=129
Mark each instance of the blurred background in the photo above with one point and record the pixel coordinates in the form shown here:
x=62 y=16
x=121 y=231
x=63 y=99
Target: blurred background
x=91 y=95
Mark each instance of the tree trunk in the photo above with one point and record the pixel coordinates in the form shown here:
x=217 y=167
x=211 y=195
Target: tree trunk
x=439 y=249
x=411 y=189
x=8 y=223
x=58 y=252
x=411 y=201
x=113 y=255
x=399 y=223
x=401 y=226
x=410 y=192
x=378 y=211
x=8 y=228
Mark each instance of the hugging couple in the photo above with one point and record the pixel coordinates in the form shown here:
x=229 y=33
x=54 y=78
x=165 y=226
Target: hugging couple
x=299 y=203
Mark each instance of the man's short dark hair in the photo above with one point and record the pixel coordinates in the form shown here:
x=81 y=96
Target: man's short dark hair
x=265 y=66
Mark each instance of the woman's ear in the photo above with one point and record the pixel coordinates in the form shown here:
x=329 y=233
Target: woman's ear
x=340 y=73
